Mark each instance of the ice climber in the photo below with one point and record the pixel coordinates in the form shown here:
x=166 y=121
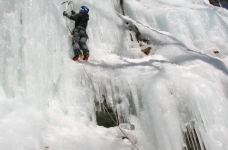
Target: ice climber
x=79 y=33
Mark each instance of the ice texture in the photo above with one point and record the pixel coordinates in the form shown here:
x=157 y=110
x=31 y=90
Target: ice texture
x=47 y=101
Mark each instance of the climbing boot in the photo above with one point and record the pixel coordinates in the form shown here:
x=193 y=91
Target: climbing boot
x=86 y=56
x=76 y=58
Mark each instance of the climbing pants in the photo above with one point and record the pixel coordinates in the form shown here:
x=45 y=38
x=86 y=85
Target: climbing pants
x=79 y=41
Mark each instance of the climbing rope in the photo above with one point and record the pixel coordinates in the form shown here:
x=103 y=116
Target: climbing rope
x=98 y=95
x=106 y=107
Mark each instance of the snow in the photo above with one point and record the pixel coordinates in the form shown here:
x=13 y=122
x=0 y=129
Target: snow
x=47 y=100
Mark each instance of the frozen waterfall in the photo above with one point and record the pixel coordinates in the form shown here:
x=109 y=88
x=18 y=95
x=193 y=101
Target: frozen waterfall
x=47 y=101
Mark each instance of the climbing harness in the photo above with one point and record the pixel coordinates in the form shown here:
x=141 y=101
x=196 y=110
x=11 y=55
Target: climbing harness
x=98 y=95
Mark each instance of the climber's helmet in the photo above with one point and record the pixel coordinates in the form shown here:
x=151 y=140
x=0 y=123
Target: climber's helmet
x=84 y=9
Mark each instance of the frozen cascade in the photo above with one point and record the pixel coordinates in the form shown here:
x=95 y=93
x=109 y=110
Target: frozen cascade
x=47 y=100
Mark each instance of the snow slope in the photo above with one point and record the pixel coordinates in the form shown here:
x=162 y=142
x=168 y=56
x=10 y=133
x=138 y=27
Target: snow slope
x=47 y=100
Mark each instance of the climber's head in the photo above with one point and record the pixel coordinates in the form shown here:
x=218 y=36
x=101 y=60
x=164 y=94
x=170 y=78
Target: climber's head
x=84 y=9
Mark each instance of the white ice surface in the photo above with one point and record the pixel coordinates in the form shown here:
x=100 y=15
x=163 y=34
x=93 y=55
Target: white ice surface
x=47 y=100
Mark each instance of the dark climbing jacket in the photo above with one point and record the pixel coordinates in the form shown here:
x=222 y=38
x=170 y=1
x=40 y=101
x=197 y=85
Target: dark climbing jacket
x=81 y=19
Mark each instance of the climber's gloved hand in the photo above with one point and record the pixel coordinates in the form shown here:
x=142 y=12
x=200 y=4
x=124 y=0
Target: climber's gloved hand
x=64 y=13
x=72 y=12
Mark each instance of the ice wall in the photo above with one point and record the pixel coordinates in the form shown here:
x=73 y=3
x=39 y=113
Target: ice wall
x=195 y=29
x=197 y=19
x=47 y=100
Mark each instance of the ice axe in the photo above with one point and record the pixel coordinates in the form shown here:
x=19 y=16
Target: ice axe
x=70 y=3
x=66 y=2
x=72 y=7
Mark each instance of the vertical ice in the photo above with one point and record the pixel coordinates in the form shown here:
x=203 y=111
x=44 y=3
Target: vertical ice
x=47 y=100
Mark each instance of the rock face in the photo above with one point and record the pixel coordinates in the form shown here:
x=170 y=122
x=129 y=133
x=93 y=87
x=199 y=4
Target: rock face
x=106 y=117
x=122 y=8
x=192 y=138
x=103 y=119
x=143 y=41
x=216 y=52
x=146 y=50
